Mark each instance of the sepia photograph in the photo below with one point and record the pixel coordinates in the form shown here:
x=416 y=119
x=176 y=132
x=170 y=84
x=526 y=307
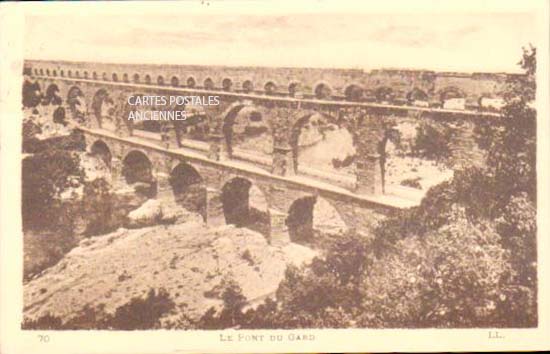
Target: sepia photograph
x=289 y=168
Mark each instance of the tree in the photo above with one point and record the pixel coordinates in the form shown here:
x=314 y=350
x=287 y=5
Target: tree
x=141 y=313
x=512 y=154
x=449 y=277
x=97 y=205
x=30 y=143
x=45 y=176
x=231 y=314
x=324 y=294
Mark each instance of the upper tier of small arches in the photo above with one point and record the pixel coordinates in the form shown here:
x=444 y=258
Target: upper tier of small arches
x=321 y=90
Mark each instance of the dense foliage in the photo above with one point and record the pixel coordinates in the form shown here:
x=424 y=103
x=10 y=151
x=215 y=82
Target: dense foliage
x=97 y=205
x=138 y=314
x=45 y=175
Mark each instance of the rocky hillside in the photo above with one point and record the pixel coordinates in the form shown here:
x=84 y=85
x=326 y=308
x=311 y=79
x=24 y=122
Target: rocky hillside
x=188 y=260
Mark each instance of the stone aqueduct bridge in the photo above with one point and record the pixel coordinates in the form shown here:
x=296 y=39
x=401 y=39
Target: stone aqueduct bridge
x=398 y=86
x=359 y=206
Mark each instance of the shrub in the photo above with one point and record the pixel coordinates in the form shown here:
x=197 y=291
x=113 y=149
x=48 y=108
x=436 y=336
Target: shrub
x=518 y=228
x=45 y=322
x=231 y=314
x=142 y=313
x=138 y=314
x=412 y=182
x=30 y=143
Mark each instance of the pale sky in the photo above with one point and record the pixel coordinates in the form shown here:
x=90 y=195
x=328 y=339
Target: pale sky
x=444 y=41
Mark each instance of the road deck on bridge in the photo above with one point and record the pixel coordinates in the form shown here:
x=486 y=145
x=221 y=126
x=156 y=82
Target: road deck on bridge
x=396 y=197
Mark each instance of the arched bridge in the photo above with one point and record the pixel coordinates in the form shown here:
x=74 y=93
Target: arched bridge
x=201 y=153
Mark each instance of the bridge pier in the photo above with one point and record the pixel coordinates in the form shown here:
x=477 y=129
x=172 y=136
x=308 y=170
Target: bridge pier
x=368 y=175
x=218 y=149
x=169 y=137
x=279 y=230
x=368 y=171
x=465 y=151
x=283 y=162
x=116 y=171
x=164 y=189
x=214 y=207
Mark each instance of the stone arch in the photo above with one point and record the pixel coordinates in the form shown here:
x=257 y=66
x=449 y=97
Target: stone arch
x=47 y=72
x=417 y=94
x=125 y=77
x=450 y=92
x=354 y=92
x=322 y=130
x=294 y=88
x=77 y=103
x=61 y=73
x=196 y=126
x=160 y=80
x=59 y=115
x=122 y=109
x=270 y=87
x=54 y=72
x=36 y=72
x=85 y=74
x=312 y=216
x=227 y=83
x=174 y=81
x=100 y=97
x=147 y=79
x=247 y=86
x=452 y=97
x=114 y=77
x=208 y=84
x=257 y=123
x=101 y=150
x=188 y=188
x=52 y=89
x=137 y=168
x=245 y=205
x=384 y=94
x=94 y=75
x=154 y=126
x=77 y=74
x=322 y=91
x=136 y=78
x=490 y=101
x=69 y=73
x=104 y=77
x=53 y=95
x=41 y=72
x=191 y=82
